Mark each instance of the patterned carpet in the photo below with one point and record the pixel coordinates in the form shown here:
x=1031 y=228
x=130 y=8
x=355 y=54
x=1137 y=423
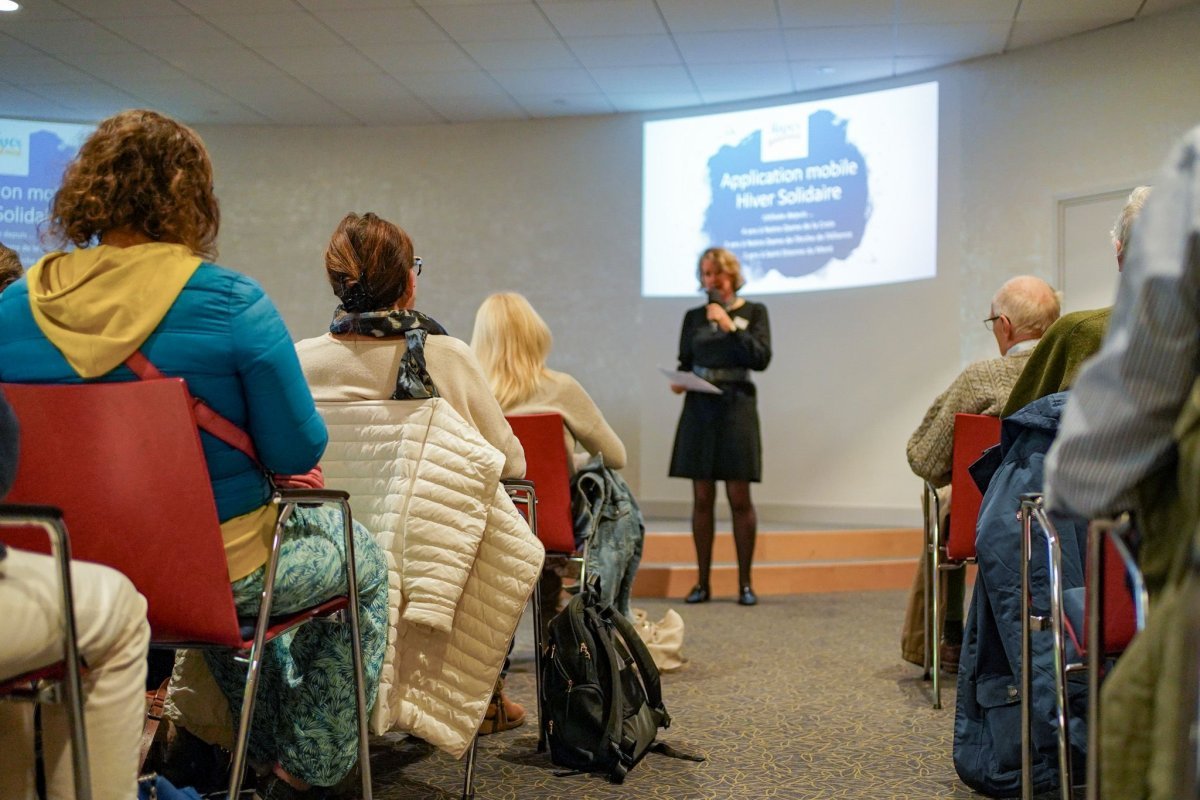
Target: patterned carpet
x=801 y=697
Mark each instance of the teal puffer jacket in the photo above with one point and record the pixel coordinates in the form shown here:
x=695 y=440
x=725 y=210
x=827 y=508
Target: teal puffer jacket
x=226 y=339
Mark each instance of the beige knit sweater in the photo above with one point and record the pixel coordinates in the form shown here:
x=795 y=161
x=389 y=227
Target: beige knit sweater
x=584 y=425
x=351 y=367
x=981 y=388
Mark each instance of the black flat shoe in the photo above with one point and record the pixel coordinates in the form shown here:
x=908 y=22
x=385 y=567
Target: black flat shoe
x=698 y=594
x=747 y=597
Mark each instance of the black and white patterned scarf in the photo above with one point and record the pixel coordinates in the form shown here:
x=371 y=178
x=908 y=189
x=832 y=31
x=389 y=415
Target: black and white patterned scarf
x=412 y=381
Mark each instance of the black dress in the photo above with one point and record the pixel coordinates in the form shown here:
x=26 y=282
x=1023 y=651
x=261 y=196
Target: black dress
x=718 y=435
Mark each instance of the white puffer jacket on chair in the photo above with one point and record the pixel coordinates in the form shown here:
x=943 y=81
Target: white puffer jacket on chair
x=462 y=562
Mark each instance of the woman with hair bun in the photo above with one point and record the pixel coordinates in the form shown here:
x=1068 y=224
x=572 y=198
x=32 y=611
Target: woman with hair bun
x=718 y=436
x=373 y=272
x=379 y=347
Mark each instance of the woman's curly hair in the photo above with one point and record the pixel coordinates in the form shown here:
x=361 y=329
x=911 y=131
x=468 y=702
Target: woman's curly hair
x=143 y=171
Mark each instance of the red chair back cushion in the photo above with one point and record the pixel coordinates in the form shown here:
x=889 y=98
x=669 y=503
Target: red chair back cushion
x=1120 y=620
x=124 y=463
x=541 y=436
x=973 y=433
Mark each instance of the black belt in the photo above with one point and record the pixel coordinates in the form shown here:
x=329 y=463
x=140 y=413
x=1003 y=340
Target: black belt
x=722 y=374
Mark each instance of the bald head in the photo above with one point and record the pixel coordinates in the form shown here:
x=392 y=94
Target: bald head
x=1025 y=307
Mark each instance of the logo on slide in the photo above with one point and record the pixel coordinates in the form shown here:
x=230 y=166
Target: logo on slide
x=787 y=202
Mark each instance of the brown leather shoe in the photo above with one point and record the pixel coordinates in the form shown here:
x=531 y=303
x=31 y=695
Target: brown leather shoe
x=502 y=714
x=949 y=654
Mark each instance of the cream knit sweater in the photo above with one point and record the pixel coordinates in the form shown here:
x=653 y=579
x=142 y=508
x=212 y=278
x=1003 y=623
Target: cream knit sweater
x=351 y=367
x=583 y=423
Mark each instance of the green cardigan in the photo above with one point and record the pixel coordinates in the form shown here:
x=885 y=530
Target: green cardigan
x=1069 y=342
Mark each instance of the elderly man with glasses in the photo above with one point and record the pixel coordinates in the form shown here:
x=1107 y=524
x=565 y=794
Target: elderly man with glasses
x=1021 y=311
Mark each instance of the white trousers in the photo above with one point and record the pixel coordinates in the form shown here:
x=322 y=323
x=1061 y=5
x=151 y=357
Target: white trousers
x=113 y=634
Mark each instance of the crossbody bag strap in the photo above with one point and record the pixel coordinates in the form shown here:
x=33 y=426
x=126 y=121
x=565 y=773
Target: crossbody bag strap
x=207 y=419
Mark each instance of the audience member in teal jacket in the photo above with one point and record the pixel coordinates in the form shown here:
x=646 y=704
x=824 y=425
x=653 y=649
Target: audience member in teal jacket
x=225 y=338
x=138 y=206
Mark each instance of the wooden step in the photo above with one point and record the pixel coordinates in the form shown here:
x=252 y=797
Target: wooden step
x=785 y=562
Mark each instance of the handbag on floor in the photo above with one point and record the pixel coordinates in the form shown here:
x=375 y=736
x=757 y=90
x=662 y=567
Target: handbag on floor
x=664 y=639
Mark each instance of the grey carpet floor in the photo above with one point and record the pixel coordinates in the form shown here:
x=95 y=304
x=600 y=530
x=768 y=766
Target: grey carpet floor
x=801 y=697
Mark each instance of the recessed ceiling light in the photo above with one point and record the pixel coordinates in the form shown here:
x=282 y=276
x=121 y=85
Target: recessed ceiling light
x=9 y=5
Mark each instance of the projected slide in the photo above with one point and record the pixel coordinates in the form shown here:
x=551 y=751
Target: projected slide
x=828 y=194
x=32 y=157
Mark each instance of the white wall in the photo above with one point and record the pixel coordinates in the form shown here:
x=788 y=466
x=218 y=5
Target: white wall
x=551 y=208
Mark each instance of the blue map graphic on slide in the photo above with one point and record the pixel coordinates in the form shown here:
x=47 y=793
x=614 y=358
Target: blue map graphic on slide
x=792 y=215
x=25 y=199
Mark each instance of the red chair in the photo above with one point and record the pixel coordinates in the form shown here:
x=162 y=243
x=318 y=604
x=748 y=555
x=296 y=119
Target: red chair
x=1109 y=612
x=547 y=503
x=973 y=434
x=61 y=682
x=124 y=463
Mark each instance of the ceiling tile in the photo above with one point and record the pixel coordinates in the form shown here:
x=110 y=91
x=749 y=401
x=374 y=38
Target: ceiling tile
x=1025 y=34
x=605 y=18
x=431 y=84
x=286 y=101
x=337 y=60
x=759 y=79
x=375 y=100
x=383 y=26
x=106 y=9
x=36 y=69
x=653 y=101
x=962 y=40
x=90 y=98
x=521 y=54
x=1045 y=10
x=166 y=35
x=564 y=105
x=545 y=81
x=942 y=11
x=1159 y=6
x=291 y=29
x=860 y=41
x=624 y=51
x=354 y=5
x=235 y=66
x=474 y=108
x=440 y=3
x=815 y=74
x=499 y=21
x=43 y=10
x=905 y=65
x=644 y=80
x=827 y=13
x=133 y=66
x=420 y=57
x=209 y=7
x=732 y=47
x=719 y=15
x=62 y=36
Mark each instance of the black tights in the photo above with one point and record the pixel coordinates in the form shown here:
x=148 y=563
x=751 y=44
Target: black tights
x=745 y=526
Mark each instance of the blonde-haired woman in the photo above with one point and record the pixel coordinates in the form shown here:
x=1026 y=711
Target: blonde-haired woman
x=718 y=437
x=512 y=343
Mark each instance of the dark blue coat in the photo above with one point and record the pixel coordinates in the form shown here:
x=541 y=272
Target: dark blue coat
x=987 y=719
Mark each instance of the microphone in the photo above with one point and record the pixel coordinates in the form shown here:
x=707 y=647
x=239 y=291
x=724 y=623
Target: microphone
x=714 y=296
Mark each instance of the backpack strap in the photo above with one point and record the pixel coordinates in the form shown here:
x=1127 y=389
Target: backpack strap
x=206 y=419
x=616 y=708
x=645 y=662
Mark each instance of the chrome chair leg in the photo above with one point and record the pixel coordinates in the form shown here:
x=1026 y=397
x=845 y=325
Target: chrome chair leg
x=469 y=776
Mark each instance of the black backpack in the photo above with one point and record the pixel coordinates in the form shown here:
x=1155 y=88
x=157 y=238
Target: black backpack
x=601 y=694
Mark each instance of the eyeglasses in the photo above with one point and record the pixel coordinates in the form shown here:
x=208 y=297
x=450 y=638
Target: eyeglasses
x=987 y=323
x=417 y=264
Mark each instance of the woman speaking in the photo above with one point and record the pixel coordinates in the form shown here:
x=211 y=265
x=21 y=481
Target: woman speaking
x=718 y=436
